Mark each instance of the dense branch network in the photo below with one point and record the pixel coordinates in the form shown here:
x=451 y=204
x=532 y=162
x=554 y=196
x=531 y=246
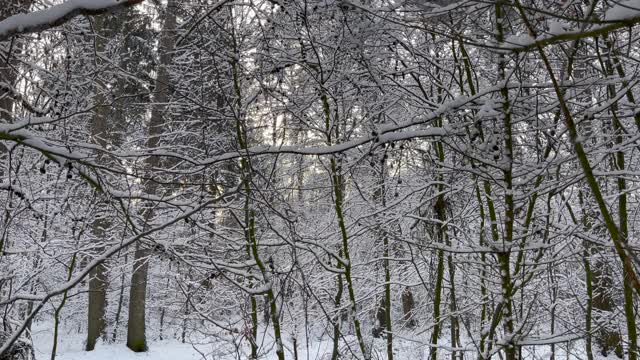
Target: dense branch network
x=404 y=178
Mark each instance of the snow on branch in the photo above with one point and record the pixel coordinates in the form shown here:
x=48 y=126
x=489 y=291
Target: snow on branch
x=614 y=21
x=57 y=15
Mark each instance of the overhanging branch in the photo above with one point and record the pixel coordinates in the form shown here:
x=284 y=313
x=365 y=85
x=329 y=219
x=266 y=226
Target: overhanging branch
x=57 y=15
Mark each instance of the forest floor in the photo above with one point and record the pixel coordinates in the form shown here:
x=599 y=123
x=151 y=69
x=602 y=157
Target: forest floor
x=71 y=347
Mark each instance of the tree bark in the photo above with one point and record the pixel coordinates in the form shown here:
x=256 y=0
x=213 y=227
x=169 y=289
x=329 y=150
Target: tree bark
x=136 y=337
x=100 y=134
x=136 y=326
x=96 y=322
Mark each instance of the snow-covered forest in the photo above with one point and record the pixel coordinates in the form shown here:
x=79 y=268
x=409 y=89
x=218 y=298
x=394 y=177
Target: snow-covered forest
x=319 y=179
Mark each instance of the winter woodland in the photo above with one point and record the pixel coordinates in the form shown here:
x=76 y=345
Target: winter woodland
x=319 y=179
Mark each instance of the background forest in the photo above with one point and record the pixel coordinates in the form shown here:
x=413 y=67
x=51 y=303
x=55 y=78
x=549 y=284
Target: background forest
x=321 y=179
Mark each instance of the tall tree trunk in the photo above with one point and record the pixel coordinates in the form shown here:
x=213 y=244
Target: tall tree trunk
x=386 y=304
x=337 y=183
x=440 y=212
x=136 y=337
x=504 y=257
x=98 y=280
x=482 y=242
x=267 y=271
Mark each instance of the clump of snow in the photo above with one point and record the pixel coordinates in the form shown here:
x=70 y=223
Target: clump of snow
x=488 y=110
x=519 y=40
x=557 y=27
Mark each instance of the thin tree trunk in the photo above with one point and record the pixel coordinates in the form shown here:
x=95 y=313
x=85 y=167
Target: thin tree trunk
x=440 y=211
x=455 y=325
x=387 y=299
x=553 y=297
x=483 y=273
x=588 y=274
x=504 y=257
x=387 y=271
x=119 y=309
x=384 y=309
x=338 y=318
x=56 y=315
x=589 y=309
x=435 y=335
x=246 y=172
x=338 y=193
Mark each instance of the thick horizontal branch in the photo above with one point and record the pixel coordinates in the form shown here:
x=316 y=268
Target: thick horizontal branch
x=576 y=35
x=57 y=15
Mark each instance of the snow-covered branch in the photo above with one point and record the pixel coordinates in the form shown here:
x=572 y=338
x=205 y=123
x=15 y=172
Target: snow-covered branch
x=57 y=15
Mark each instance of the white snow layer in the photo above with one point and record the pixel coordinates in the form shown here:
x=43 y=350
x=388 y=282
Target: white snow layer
x=71 y=347
x=49 y=16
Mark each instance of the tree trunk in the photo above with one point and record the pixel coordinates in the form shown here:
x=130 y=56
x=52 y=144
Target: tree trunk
x=119 y=309
x=97 y=304
x=408 y=304
x=101 y=134
x=136 y=338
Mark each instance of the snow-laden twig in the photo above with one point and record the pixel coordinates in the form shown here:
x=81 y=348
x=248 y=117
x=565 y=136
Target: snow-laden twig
x=57 y=15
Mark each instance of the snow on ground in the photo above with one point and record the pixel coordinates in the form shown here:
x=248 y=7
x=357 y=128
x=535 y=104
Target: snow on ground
x=70 y=347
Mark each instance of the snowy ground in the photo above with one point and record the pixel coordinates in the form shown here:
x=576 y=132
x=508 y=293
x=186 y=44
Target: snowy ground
x=70 y=347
